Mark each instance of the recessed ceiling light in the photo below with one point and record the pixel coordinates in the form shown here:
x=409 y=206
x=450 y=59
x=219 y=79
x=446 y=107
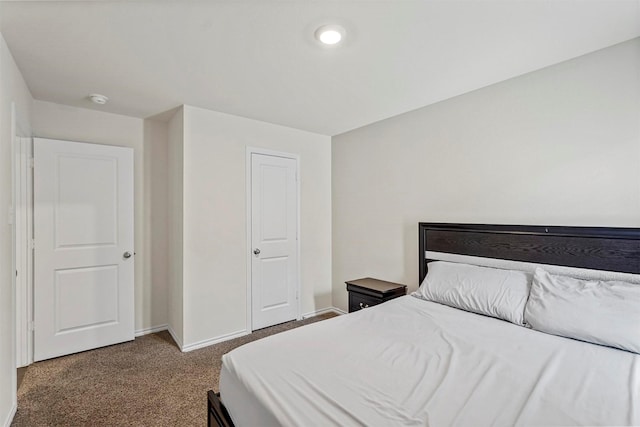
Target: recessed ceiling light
x=96 y=98
x=330 y=35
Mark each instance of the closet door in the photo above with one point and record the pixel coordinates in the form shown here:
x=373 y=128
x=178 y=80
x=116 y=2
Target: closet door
x=274 y=225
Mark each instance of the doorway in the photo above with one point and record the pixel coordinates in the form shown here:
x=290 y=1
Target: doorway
x=273 y=238
x=83 y=238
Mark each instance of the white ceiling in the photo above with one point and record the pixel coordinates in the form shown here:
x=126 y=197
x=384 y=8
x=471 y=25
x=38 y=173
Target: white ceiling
x=258 y=59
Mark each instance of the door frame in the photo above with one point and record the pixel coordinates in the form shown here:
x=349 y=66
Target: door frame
x=248 y=168
x=22 y=241
x=23 y=247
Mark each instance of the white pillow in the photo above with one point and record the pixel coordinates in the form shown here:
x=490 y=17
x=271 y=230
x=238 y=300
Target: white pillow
x=596 y=311
x=483 y=290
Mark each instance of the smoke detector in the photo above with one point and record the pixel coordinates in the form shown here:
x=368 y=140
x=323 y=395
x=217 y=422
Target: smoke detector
x=96 y=98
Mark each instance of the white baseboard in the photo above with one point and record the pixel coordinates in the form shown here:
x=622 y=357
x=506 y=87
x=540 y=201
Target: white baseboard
x=175 y=338
x=12 y=413
x=237 y=334
x=323 y=311
x=151 y=330
x=215 y=340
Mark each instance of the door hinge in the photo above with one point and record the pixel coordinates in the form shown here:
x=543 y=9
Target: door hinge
x=32 y=325
x=31 y=162
x=32 y=244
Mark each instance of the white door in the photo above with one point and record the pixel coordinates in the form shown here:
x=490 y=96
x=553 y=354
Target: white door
x=83 y=232
x=274 y=227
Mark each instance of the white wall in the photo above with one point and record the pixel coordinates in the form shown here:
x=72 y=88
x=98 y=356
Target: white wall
x=154 y=294
x=560 y=146
x=78 y=124
x=175 y=217
x=215 y=252
x=12 y=89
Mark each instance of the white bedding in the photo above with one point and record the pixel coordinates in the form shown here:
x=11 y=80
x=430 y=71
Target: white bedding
x=412 y=362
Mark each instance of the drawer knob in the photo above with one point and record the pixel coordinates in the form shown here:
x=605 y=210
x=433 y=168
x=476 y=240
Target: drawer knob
x=364 y=305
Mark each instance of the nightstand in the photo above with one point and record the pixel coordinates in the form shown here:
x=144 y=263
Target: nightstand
x=368 y=292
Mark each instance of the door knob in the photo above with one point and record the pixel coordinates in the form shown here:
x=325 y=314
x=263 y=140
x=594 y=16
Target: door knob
x=126 y=255
x=256 y=251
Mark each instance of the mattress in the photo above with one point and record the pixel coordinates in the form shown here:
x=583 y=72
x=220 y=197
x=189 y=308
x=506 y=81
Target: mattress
x=411 y=362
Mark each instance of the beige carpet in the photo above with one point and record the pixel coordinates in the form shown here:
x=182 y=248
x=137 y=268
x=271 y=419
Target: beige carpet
x=146 y=382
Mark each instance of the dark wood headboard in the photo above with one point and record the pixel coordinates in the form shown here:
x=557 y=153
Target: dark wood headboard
x=598 y=248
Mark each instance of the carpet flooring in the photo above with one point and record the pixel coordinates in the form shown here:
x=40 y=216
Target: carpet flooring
x=139 y=383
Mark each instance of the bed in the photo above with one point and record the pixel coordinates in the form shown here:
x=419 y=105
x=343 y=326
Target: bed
x=414 y=362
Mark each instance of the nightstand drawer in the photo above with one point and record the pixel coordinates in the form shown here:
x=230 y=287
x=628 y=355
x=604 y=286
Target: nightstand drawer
x=359 y=301
x=368 y=292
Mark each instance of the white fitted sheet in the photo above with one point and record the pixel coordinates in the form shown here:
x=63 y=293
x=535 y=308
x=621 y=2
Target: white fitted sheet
x=413 y=362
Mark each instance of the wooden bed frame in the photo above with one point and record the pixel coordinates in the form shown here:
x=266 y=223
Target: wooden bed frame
x=217 y=415
x=598 y=248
